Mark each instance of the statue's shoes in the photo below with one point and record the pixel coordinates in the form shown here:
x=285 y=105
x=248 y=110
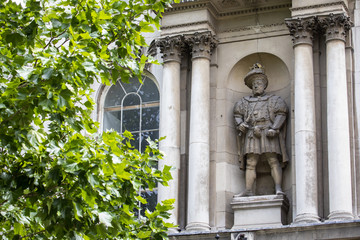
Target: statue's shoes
x=246 y=193
x=279 y=192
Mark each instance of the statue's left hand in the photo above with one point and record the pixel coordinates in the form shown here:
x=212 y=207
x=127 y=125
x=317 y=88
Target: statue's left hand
x=272 y=132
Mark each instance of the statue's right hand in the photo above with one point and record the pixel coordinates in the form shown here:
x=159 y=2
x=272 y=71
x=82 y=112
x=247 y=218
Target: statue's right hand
x=243 y=127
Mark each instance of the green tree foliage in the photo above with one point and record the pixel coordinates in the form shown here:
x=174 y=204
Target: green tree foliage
x=58 y=178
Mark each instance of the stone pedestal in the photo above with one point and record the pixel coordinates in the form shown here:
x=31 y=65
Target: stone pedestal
x=259 y=211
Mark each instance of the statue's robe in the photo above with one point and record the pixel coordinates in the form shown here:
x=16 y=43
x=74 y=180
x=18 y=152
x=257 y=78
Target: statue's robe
x=261 y=113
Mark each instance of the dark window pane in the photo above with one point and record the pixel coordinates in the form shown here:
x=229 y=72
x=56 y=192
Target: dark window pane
x=136 y=141
x=112 y=120
x=151 y=198
x=131 y=120
x=149 y=91
x=132 y=86
x=114 y=96
x=131 y=100
x=150 y=118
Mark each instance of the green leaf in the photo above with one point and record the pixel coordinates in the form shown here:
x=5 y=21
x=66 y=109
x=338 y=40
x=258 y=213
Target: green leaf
x=62 y=103
x=121 y=172
x=147 y=28
x=145 y=234
x=18 y=228
x=105 y=218
x=25 y=72
x=88 y=198
x=35 y=137
x=47 y=73
x=141 y=199
x=78 y=211
x=85 y=35
x=104 y=16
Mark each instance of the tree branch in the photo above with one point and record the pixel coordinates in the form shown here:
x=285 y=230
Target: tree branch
x=33 y=234
x=51 y=39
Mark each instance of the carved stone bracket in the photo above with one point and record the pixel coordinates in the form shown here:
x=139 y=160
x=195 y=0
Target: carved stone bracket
x=171 y=48
x=336 y=26
x=302 y=30
x=201 y=44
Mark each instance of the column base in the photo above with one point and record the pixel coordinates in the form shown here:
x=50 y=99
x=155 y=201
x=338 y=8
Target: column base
x=173 y=230
x=260 y=211
x=340 y=215
x=306 y=218
x=197 y=227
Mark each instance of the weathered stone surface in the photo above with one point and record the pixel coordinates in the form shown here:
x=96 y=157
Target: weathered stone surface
x=259 y=211
x=260 y=120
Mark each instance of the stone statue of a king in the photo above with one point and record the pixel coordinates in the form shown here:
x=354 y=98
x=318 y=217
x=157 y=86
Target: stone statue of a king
x=260 y=120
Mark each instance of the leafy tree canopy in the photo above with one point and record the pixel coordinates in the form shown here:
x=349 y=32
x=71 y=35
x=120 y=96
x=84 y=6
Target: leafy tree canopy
x=58 y=178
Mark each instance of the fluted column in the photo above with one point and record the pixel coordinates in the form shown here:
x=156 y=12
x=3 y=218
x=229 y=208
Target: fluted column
x=170 y=118
x=199 y=155
x=305 y=121
x=340 y=195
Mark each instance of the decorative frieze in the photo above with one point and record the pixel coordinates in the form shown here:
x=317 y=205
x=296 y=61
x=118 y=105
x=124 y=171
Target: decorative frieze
x=171 y=48
x=201 y=44
x=302 y=30
x=336 y=26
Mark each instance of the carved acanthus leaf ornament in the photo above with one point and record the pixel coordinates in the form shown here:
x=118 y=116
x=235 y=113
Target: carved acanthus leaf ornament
x=335 y=26
x=302 y=30
x=171 y=48
x=201 y=44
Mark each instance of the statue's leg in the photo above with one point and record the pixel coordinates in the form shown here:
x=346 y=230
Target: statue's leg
x=276 y=171
x=250 y=174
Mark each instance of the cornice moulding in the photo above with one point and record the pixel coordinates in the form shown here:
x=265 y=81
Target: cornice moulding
x=257 y=10
x=195 y=5
x=188 y=25
x=319 y=9
x=320 y=6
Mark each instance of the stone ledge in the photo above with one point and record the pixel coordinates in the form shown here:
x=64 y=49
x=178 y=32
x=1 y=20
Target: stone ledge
x=308 y=231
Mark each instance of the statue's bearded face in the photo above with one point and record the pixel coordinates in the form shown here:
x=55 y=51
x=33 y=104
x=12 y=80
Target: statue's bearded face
x=258 y=86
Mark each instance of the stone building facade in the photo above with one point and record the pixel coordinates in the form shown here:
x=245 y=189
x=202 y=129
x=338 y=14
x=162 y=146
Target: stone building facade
x=310 y=51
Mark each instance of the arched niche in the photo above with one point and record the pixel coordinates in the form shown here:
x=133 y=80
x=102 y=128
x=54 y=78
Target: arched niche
x=275 y=69
x=280 y=85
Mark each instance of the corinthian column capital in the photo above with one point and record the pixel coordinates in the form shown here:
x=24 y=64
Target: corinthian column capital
x=302 y=29
x=336 y=26
x=201 y=44
x=171 y=48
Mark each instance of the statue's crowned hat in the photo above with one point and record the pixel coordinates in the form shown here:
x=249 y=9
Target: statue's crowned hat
x=255 y=71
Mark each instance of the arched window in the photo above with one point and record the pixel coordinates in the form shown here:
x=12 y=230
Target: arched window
x=134 y=107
